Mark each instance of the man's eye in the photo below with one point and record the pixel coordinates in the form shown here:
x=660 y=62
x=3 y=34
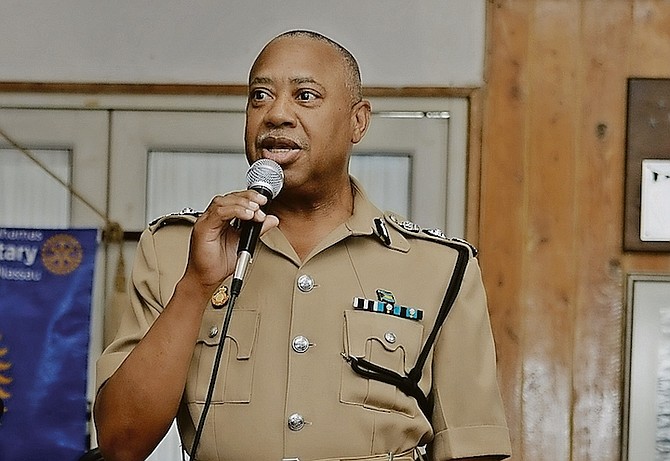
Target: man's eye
x=259 y=95
x=306 y=95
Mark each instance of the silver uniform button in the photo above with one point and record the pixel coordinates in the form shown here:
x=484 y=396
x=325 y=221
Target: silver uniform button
x=300 y=344
x=296 y=422
x=213 y=331
x=305 y=283
x=390 y=337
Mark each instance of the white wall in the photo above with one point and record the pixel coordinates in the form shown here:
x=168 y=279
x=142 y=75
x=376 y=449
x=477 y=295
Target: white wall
x=398 y=42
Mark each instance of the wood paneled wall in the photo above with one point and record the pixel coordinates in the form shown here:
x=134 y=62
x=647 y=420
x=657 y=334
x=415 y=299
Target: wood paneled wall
x=551 y=212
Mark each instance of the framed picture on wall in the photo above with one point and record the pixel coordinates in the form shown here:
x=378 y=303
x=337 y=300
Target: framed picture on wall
x=646 y=434
x=647 y=180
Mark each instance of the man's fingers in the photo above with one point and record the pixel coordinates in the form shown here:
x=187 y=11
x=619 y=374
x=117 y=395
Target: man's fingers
x=243 y=205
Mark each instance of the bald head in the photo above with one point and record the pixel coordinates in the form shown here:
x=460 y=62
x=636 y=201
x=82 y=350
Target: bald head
x=352 y=73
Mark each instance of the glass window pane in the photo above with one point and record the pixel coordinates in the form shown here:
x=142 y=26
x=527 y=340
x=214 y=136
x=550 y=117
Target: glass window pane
x=386 y=178
x=29 y=197
x=190 y=179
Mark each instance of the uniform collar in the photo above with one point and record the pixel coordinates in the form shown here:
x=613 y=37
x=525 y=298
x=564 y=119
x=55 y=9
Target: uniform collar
x=360 y=223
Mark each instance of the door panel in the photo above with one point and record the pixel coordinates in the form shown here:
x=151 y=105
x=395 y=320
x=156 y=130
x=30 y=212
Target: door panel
x=433 y=132
x=139 y=135
x=72 y=143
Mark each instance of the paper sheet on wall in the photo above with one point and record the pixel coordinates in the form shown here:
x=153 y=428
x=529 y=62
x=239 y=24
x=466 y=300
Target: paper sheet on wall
x=655 y=202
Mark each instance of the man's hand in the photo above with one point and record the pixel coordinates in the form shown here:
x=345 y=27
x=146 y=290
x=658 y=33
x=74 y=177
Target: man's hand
x=213 y=248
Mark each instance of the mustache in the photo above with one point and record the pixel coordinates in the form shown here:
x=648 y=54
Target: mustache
x=279 y=140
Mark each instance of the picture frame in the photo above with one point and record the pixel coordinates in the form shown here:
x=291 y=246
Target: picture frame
x=647 y=153
x=646 y=409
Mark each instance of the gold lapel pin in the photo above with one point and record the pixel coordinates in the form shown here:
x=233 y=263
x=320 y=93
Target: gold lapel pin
x=220 y=297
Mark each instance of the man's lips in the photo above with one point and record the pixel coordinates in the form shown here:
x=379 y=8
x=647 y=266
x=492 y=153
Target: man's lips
x=278 y=143
x=281 y=149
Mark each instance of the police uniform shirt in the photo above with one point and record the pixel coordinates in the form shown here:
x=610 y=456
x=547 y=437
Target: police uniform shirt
x=285 y=388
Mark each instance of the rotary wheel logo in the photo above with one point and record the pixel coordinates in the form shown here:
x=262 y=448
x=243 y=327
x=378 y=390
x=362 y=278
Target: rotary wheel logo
x=4 y=379
x=61 y=254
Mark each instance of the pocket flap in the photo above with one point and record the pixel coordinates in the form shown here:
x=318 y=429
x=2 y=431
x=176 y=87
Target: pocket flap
x=391 y=332
x=242 y=330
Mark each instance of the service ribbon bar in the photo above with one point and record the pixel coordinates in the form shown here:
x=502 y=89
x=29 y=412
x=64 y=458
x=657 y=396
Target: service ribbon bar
x=396 y=310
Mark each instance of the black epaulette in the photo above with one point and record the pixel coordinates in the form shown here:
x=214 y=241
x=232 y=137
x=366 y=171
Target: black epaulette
x=187 y=215
x=433 y=234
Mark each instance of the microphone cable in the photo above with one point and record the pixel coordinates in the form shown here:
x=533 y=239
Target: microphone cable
x=212 y=379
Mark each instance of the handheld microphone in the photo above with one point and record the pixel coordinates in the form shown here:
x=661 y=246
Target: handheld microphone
x=266 y=177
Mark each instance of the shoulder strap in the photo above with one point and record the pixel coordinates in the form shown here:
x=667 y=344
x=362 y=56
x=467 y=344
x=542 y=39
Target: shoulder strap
x=449 y=298
x=185 y=216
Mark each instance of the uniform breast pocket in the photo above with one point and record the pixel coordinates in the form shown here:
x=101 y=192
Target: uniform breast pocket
x=236 y=372
x=384 y=340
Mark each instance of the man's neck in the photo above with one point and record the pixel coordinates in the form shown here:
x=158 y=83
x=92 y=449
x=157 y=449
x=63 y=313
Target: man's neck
x=307 y=222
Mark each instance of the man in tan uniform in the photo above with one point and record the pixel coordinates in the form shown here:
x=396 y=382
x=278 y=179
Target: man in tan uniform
x=324 y=358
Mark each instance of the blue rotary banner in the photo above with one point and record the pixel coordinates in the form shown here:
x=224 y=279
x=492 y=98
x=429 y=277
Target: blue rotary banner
x=46 y=282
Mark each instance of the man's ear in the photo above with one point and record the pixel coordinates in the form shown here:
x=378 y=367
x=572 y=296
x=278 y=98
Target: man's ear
x=360 y=119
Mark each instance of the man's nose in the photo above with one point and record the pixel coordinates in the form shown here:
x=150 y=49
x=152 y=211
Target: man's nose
x=280 y=112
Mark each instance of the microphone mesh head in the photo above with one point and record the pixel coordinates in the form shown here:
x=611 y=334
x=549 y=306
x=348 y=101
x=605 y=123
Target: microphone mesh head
x=267 y=174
